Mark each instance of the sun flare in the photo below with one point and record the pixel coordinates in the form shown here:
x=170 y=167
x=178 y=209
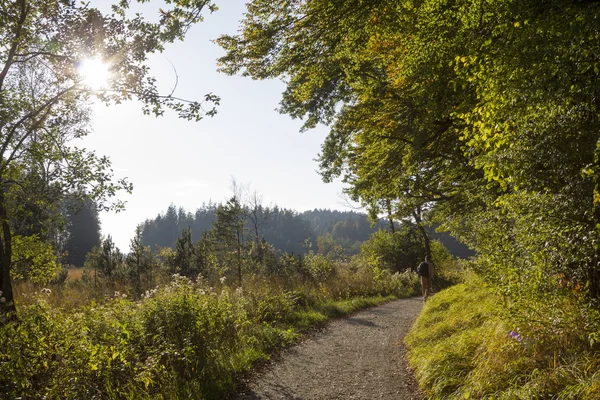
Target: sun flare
x=94 y=73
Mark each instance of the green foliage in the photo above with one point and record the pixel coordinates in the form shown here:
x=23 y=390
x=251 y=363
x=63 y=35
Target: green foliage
x=33 y=260
x=106 y=259
x=318 y=266
x=139 y=264
x=465 y=345
x=185 y=339
x=184 y=257
x=394 y=251
x=45 y=103
x=228 y=232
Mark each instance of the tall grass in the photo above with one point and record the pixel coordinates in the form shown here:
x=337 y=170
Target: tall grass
x=187 y=339
x=464 y=345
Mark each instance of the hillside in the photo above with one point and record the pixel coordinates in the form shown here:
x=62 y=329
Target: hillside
x=286 y=230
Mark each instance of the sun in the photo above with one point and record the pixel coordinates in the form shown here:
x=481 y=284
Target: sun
x=94 y=73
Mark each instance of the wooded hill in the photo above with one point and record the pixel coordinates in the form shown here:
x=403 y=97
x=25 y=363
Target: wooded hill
x=285 y=229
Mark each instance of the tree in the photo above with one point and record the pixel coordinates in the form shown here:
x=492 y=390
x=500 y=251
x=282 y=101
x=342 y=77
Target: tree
x=44 y=98
x=139 y=262
x=392 y=136
x=394 y=251
x=83 y=232
x=106 y=258
x=189 y=259
x=257 y=214
x=228 y=232
x=481 y=115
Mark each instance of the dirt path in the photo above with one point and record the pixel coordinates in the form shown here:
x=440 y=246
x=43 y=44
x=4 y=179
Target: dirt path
x=360 y=357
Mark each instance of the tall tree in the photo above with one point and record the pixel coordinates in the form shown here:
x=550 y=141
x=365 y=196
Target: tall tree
x=83 y=232
x=229 y=231
x=44 y=98
x=184 y=257
x=484 y=112
x=139 y=262
x=257 y=214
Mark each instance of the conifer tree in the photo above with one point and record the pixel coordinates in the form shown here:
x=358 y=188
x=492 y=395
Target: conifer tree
x=228 y=230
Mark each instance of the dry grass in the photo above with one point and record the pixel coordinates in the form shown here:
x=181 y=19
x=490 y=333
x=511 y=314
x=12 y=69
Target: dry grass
x=75 y=273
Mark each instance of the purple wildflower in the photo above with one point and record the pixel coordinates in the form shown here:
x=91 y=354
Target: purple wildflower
x=515 y=335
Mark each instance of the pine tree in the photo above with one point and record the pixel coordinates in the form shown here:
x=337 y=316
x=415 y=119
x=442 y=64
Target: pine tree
x=106 y=258
x=228 y=230
x=139 y=262
x=83 y=232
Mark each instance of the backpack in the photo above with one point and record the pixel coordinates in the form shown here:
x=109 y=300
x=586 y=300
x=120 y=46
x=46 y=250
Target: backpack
x=423 y=269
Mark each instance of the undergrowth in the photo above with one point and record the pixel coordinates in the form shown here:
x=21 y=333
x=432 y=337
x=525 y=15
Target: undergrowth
x=465 y=345
x=188 y=339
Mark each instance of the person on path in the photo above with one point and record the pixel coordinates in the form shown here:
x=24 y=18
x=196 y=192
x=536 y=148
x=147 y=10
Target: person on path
x=425 y=271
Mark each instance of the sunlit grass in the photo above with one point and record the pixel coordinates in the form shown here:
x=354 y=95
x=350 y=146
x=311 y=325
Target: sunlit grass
x=185 y=339
x=461 y=347
x=75 y=273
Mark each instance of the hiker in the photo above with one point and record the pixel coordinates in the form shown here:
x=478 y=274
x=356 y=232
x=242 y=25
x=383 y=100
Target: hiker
x=425 y=271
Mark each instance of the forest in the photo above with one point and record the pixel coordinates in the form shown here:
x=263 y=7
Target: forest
x=477 y=118
x=286 y=230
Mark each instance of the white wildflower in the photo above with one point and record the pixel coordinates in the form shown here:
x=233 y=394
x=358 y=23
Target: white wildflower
x=202 y=292
x=223 y=279
x=124 y=295
x=2 y=300
x=46 y=291
x=117 y=294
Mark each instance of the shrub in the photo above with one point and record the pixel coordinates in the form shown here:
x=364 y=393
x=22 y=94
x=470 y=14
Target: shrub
x=185 y=339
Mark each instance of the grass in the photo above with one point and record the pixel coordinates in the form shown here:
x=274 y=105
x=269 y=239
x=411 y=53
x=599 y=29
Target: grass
x=185 y=339
x=75 y=273
x=304 y=320
x=461 y=347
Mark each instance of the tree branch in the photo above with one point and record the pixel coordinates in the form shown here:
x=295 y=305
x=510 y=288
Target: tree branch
x=13 y=48
x=32 y=114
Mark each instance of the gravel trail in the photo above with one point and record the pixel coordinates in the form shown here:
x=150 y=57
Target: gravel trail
x=361 y=357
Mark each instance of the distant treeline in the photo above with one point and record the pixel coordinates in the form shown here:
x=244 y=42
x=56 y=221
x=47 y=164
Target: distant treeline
x=286 y=230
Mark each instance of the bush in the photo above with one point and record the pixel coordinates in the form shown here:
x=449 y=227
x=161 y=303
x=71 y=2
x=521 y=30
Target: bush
x=185 y=339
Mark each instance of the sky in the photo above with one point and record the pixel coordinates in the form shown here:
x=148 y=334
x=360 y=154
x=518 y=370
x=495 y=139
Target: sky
x=169 y=160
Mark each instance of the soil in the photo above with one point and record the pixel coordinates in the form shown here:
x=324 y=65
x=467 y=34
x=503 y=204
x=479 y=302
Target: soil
x=361 y=357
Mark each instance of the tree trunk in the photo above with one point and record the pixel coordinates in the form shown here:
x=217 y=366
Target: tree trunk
x=592 y=269
x=239 y=257
x=424 y=235
x=389 y=216
x=7 y=303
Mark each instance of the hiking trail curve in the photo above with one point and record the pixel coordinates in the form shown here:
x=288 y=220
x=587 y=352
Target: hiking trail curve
x=361 y=357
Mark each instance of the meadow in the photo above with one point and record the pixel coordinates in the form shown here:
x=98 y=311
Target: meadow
x=184 y=338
